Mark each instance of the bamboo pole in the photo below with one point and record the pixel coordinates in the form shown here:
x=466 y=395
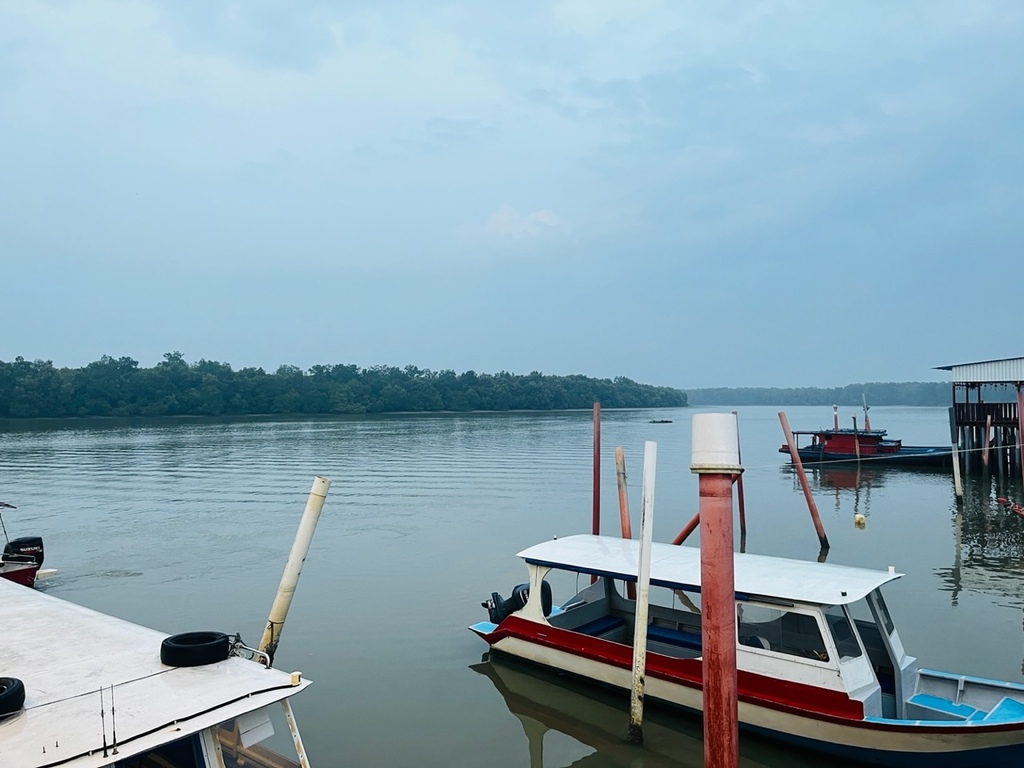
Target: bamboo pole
x=293 y=568
x=811 y=506
x=643 y=588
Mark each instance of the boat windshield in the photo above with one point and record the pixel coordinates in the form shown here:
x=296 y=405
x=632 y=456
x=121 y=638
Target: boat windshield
x=780 y=629
x=842 y=633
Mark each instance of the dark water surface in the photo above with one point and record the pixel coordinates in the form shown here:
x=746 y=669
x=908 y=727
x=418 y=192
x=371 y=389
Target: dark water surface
x=184 y=526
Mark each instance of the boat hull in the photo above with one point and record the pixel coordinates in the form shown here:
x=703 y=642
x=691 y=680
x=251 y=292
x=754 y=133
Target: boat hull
x=19 y=573
x=774 y=709
x=936 y=457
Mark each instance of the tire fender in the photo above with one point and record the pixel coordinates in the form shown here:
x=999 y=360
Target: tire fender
x=194 y=649
x=12 y=695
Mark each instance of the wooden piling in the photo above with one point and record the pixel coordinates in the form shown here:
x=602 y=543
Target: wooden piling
x=620 y=479
x=595 y=524
x=739 y=487
x=627 y=531
x=986 y=442
x=811 y=506
x=1020 y=427
x=643 y=588
x=687 y=530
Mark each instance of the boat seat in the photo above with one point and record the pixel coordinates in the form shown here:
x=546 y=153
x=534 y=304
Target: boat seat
x=940 y=708
x=1006 y=711
x=676 y=637
x=601 y=626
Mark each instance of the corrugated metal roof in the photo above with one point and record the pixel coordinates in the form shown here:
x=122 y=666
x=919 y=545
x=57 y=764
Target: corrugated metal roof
x=671 y=565
x=1005 y=370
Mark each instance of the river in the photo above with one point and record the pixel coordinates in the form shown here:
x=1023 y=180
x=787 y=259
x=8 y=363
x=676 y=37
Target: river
x=186 y=525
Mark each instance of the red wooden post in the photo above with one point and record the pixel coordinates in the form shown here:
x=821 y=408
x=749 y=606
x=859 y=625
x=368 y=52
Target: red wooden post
x=988 y=442
x=715 y=459
x=596 y=519
x=791 y=442
x=690 y=528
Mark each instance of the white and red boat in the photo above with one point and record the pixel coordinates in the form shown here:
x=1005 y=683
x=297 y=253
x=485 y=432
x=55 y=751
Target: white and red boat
x=820 y=663
x=22 y=558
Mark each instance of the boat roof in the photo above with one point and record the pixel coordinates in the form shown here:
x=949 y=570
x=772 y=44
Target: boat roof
x=777 y=578
x=65 y=653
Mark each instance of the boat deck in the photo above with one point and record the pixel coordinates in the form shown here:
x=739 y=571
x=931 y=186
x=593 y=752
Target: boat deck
x=65 y=654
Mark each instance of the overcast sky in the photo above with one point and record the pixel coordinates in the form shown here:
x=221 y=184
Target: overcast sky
x=691 y=194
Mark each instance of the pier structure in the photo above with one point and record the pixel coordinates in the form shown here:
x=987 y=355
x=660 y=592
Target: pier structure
x=986 y=418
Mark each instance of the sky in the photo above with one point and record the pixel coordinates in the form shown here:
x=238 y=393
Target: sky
x=753 y=193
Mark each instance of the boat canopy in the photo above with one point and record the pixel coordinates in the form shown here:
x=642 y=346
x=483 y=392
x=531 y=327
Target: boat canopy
x=64 y=654
x=673 y=566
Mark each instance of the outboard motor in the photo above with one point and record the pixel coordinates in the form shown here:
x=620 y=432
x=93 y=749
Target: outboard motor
x=498 y=608
x=25 y=548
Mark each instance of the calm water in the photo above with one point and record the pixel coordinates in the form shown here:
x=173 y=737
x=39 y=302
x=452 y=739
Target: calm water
x=187 y=526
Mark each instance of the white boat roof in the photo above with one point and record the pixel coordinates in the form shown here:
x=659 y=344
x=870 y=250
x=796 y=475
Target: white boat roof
x=779 y=578
x=64 y=654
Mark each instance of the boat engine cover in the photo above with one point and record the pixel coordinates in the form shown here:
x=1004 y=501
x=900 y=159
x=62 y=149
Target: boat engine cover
x=26 y=546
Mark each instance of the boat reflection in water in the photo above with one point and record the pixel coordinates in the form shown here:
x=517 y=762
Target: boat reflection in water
x=598 y=717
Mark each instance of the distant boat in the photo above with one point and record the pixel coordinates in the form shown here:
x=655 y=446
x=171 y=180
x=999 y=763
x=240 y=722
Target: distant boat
x=661 y=421
x=865 y=444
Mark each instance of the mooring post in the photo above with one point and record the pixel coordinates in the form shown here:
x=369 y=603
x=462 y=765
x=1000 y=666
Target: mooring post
x=643 y=593
x=716 y=461
x=835 y=417
x=987 y=441
x=1020 y=427
x=620 y=479
x=595 y=524
x=739 y=488
x=627 y=530
x=795 y=455
x=293 y=568
x=687 y=530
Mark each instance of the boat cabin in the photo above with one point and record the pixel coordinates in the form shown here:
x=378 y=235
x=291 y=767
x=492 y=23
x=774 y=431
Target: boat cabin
x=817 y=624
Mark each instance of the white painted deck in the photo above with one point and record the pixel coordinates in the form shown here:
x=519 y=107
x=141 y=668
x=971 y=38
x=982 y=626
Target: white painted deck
x=780 y=578
x=65 y=653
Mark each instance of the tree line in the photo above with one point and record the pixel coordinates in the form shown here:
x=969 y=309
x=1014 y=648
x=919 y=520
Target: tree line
x=175 y=387
x=876 y=393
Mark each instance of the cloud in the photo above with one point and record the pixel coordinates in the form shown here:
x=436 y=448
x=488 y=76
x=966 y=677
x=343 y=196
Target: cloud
x=508 y=222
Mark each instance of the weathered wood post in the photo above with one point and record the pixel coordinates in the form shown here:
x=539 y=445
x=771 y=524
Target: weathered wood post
x=643 y=595
x=715 y=459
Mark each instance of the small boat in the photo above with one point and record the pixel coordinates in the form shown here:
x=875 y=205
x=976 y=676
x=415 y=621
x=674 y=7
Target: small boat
x=81 y=689
x=820 y=661
x=660 y=421
x=22 y=558
x=865 y=444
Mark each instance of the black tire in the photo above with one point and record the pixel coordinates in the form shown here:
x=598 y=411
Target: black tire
x=12 y=695
x=194 y=649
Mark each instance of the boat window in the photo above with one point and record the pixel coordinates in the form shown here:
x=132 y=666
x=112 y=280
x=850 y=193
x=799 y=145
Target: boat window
x=842 y=632
x=883 y=612
x=781 y=630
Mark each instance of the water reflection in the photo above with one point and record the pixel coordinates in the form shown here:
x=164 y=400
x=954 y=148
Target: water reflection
x=988 y=547
x=595 y=719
